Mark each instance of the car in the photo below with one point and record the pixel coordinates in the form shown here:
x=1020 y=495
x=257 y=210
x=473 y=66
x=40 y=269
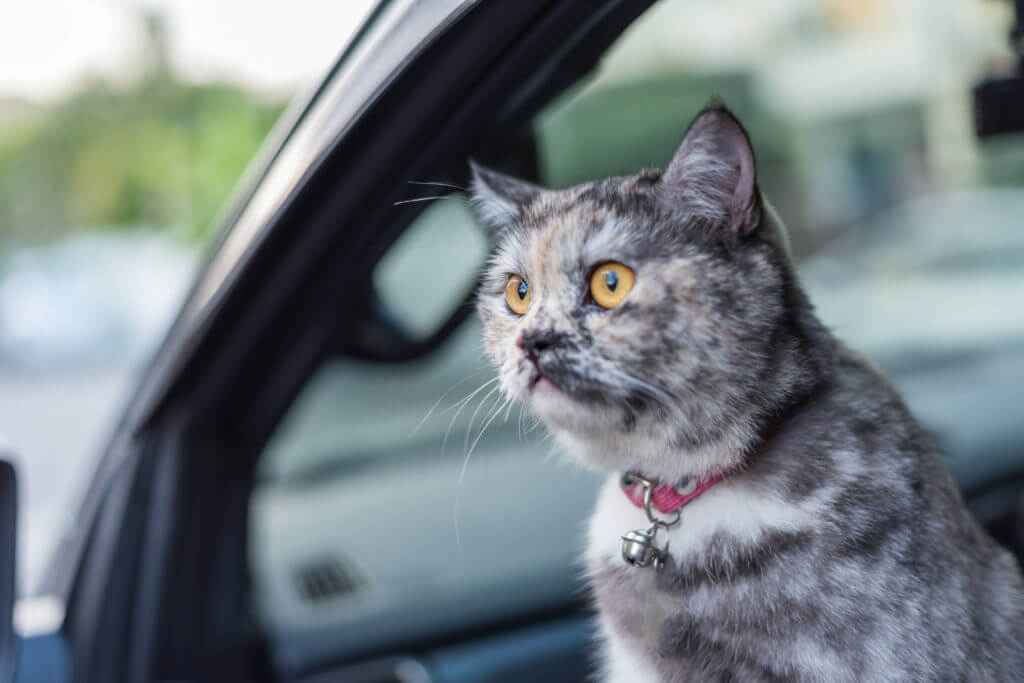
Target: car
x=315 y=479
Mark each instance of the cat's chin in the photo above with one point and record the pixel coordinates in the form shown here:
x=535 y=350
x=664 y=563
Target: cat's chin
x=559 y=410
x=563 y=413
x=544 y=386
x=588 y=434
x=599 y=437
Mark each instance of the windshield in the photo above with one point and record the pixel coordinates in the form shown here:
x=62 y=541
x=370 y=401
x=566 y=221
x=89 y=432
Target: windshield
x=119 y=144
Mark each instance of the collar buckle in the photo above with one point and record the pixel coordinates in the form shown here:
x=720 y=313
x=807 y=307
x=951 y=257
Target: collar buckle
x=640 y=547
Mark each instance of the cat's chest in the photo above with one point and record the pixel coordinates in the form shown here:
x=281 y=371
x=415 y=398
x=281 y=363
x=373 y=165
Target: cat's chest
x=634 y=599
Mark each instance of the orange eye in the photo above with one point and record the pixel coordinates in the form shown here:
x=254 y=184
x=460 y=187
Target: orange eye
x=517 y=294
x=610 y=284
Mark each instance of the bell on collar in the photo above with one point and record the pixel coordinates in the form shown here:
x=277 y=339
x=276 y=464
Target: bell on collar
x=639 y=550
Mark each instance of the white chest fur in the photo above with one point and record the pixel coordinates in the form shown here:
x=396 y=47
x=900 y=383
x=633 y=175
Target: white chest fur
x=727 y=507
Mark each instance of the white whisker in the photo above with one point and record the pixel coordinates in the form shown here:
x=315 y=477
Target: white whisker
x=438 y=402
x=472 y=420
x=473 y=393
x=437 y=184
x=461 y=405
x=429 y=199
x=519 y=427
x=465 y=466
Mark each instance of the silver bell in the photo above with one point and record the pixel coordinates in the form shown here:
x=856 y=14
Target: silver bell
x=638 y=549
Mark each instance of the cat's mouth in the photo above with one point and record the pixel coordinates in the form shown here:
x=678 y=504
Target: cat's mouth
x=540 y=382
x=552 y=378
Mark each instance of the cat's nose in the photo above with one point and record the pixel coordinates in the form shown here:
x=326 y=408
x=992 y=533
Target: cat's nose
x=535 y=341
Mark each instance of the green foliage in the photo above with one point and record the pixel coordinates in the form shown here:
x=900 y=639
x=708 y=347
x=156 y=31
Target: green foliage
x=162 y=154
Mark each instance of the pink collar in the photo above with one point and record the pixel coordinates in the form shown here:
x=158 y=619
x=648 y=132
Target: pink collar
x=666 y=498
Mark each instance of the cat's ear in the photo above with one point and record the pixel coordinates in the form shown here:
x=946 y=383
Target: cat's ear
x=712 y=173
x=499 y=199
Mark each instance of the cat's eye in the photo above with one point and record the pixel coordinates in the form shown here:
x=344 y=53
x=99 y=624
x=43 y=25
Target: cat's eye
x=517 y=294
x=610 y=284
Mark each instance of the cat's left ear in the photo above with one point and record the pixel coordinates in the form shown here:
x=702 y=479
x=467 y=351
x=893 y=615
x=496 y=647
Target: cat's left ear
x=712 y=174
x=499 y=199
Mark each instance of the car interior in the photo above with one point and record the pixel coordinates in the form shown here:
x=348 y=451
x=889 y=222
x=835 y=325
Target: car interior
x=318 y=479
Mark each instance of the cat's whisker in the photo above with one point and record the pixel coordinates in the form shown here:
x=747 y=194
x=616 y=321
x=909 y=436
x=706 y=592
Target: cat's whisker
x=438 y=402
x=465 y=465
x=469 y=427
x=472 y=420
x=438 y=184
x=462 y=404
x=492 y=414
x=495 y=407
x=481 y=433
x=429 y=199
x=519 y=426
x=552 y=452
x=535 y=423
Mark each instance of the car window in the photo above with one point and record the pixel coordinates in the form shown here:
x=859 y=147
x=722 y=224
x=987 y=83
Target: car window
x=392 y=486
x=397 y=460
x=354 y=410
x=429 y=273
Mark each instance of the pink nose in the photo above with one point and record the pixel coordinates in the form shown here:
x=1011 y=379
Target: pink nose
x=519 y=341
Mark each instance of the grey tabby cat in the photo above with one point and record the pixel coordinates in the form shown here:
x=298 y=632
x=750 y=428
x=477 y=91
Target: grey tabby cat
x=656 y=325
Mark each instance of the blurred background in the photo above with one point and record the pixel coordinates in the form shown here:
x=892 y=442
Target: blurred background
x=124 y=126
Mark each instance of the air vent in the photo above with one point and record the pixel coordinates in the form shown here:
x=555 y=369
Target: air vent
x=324 y=579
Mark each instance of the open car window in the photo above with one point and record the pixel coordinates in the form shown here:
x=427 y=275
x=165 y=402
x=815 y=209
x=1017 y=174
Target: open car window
x=397 y=489
x=393 y=500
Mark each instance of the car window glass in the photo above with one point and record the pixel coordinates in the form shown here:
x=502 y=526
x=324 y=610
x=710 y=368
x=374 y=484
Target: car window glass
x=429 y=272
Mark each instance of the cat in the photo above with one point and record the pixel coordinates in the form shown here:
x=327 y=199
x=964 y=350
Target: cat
x=656 y=325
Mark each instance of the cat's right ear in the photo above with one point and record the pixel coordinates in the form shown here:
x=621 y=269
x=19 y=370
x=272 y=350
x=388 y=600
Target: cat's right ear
x=499 y=199
x=712 y=174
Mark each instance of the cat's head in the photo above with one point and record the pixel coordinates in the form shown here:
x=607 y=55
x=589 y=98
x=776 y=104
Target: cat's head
x=639 y=317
